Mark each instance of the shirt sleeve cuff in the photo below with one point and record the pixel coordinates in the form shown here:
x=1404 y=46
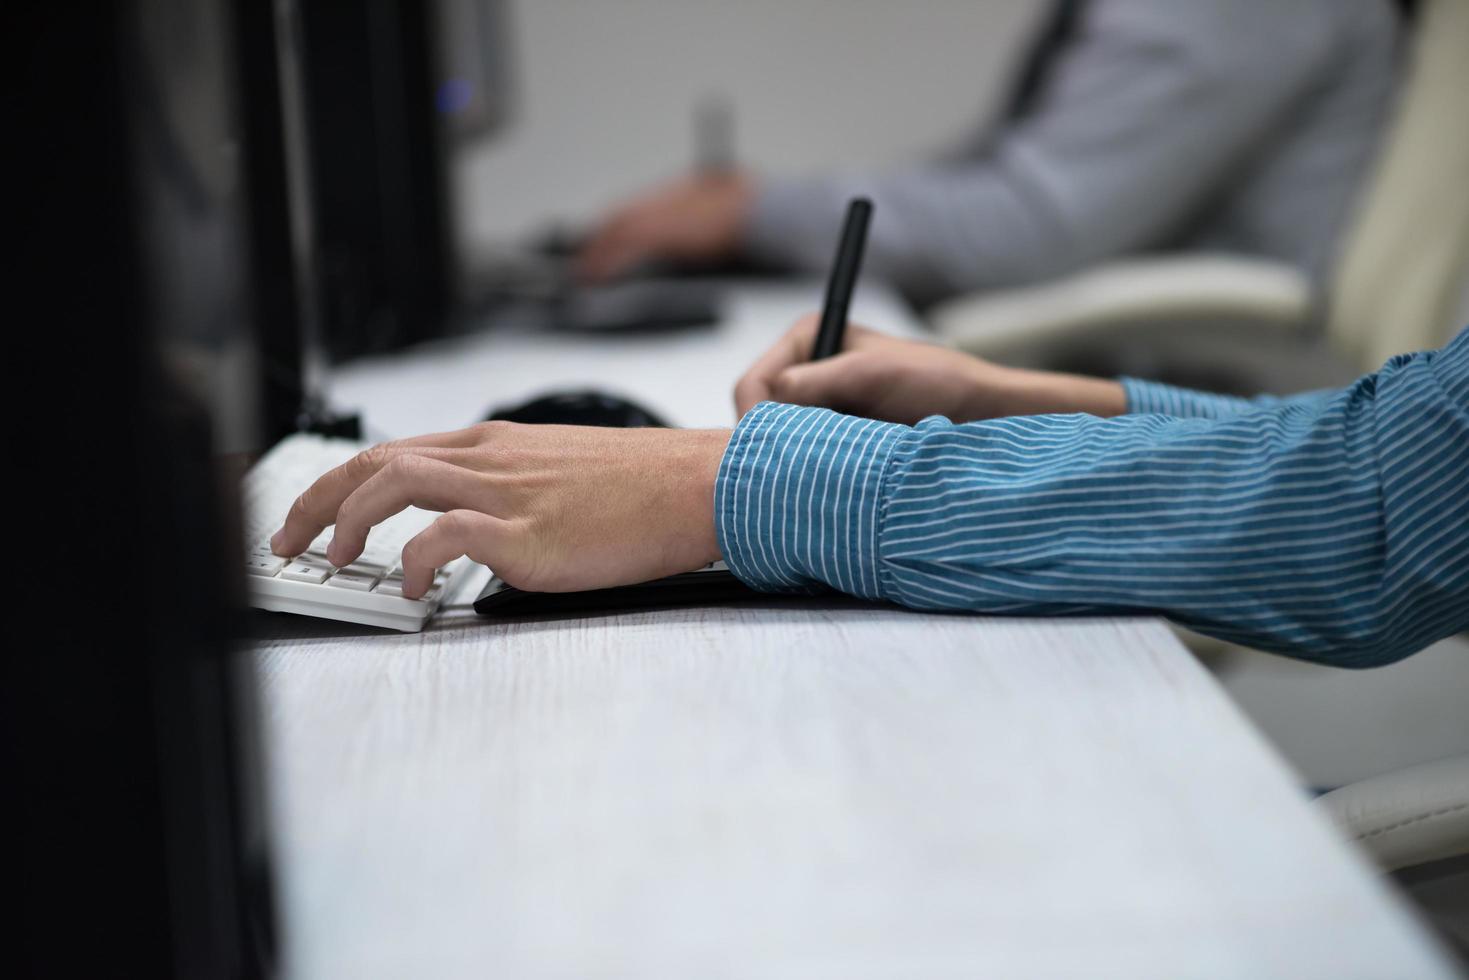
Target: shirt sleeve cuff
x=787 y=217
x=798 y=499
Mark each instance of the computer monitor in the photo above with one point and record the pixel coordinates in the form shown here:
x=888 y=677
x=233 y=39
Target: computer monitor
x=392 y=90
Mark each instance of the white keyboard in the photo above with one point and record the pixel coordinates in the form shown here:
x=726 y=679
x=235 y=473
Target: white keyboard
x=368 y=591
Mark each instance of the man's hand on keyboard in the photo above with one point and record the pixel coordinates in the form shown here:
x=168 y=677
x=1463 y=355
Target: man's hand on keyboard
x=550 y=508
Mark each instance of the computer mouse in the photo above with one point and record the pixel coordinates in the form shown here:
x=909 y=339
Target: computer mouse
x=635 y=307
x=579 y=408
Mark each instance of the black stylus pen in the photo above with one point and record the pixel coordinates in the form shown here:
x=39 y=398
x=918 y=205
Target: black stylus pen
x=843 y=279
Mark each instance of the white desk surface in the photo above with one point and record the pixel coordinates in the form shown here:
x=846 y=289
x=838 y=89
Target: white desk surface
x=688 y=376
x=809 y=788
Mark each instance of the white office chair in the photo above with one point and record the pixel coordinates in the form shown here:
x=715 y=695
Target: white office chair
x=1408 y=817
x=1396 y=287
x=1414 y=823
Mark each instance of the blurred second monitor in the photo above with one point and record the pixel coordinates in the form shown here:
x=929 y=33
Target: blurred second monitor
x=390 y=90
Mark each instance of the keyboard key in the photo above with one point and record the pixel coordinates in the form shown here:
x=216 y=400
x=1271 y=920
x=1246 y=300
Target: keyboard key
x=366 y=565
x=395 y=570
x=384 y=558
x=356 y=581
x=266 y=565
x=307 y=569
x=392 y=585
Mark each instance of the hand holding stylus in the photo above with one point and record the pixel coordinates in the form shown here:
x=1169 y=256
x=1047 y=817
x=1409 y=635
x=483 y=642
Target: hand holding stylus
x=881 y=377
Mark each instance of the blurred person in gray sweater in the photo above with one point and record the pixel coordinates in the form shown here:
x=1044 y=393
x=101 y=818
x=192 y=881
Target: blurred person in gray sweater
x=1135 y=126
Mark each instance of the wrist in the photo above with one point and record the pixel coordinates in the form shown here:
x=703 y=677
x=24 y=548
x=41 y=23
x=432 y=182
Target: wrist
x=1024 y=392
x=776 y=219
x=706 y=448
x=997 y=392
x=741 y=194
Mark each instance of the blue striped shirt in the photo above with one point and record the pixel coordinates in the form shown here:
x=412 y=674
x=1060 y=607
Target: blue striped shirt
x=1332 y=526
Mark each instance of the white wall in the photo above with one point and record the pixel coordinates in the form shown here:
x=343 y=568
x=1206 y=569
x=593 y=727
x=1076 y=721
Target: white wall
x=606 y=90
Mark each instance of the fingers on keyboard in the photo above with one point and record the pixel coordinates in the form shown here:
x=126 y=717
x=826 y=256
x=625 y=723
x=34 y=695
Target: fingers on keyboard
x=383 y=576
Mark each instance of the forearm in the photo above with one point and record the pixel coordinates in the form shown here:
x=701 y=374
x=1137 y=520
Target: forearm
x=1337 y=535
x=1022 y=392
x=938 y=231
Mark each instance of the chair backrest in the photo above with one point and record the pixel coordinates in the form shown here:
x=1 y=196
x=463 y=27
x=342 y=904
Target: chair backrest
x=1398 y=284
